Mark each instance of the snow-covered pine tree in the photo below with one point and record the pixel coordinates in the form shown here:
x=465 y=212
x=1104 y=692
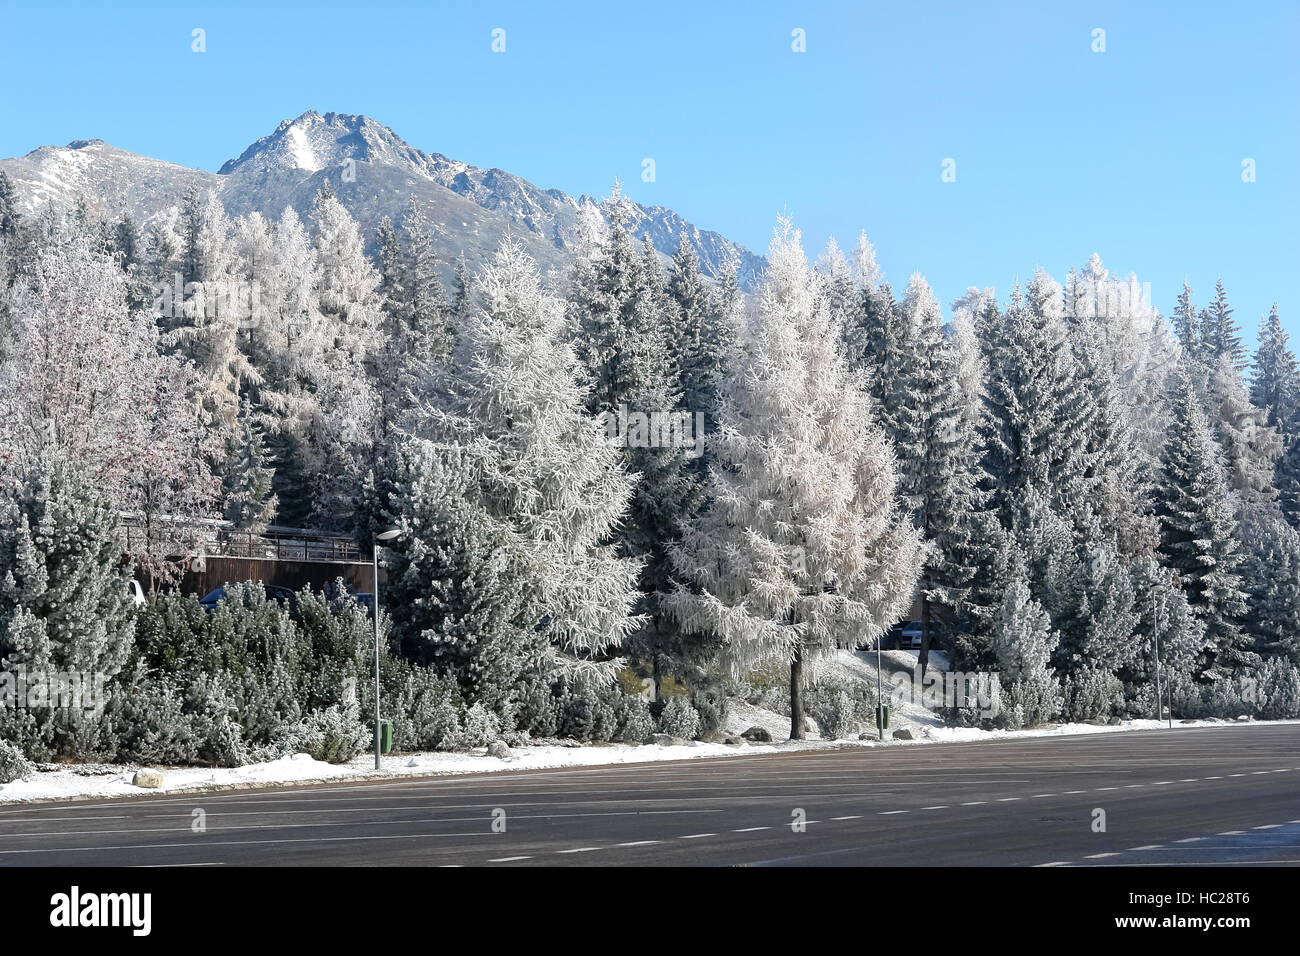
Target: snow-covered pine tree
x=703 y=341
x=1023 y=642
x=801 y=548
x=1199 y=534
x=1187 y=325
x=9 y=217
x=935 y=454
x=250 y=502
x=1220 y=337
x=62 y=596
x=1270 y=573
x=511 y=408
x=1275 y=378
x=1033 y=435
x=455 y=592
x=427 y=329
x=1250 y=448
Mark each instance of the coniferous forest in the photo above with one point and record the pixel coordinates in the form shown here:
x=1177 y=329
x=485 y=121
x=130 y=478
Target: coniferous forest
x=629 y=492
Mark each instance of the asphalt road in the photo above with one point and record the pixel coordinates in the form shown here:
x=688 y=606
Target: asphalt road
x=1187 y=796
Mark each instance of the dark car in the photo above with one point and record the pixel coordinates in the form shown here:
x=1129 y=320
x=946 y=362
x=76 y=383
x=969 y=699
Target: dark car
x=274 y=592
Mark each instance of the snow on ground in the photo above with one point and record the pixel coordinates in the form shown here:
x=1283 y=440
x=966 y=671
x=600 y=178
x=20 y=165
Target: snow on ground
x=69 y=781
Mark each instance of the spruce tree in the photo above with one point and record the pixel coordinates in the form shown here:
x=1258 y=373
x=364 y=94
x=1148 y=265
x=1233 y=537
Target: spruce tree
x=935 y=455
x=250 y=502
x=510 y=409
x=1199 y=534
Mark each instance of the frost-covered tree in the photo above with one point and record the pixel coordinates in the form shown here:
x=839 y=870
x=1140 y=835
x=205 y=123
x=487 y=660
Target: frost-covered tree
x=1270 y=572
x=511 y=408
x=934 y=447
x=1220 y=338
x=1023 y=642
x=250 y=501
x=62 y=598
x=1250 y=447
x=801 y=548
x=455 y=591
x=1275 y=379
x=84 y=376
x=1199 y=533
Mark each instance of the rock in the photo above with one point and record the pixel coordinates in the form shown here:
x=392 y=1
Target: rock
x=568 y=742
x=150 y=779
x=760 y=734
x=1114 y=722
x=1188 y=720
x=902 y=733
x=413 y=762
x=500 y=749
x=734 y=741
x=867 y=736
x=664 y=740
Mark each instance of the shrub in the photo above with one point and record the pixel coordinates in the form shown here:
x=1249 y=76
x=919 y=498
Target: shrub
x=711 y=705
x=634 y=721
x=334 y=735
x=479 y=728
x=13 y=765
x=679 y=719
x=836 y=716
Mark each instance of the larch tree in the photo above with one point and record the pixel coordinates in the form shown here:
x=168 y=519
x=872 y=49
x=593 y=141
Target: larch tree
x=802 y=547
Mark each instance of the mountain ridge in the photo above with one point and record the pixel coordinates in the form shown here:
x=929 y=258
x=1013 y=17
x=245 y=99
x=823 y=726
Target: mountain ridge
x=374 y=172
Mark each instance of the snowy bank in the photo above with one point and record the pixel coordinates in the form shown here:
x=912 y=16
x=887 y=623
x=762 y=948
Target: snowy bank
x=79 y=781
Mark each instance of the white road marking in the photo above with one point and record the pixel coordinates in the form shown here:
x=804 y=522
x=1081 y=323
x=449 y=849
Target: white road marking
x=1190 y=840
x=975 y=803
x=1149 y=846
x=1099 y=856
x=934 y=808
x=696 y=836
x=638 y=843
x=886 y=813
x=750 y=829
x=580 y=849
x=856 y=817
x=509 y=859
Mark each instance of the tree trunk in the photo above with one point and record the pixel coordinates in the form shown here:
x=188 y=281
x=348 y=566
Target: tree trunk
x=796 y=695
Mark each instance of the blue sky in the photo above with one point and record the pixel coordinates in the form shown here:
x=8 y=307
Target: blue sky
x=1134 y=153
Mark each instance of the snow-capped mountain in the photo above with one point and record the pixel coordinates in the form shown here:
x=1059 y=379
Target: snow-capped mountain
x=374 y=172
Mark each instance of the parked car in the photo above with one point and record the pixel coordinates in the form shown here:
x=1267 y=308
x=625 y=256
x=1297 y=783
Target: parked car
x=905 y=635
x=274 y=592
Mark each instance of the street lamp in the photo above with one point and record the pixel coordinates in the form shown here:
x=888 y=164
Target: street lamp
x=388 y=535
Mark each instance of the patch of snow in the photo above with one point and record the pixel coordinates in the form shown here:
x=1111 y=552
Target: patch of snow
x=300 y=150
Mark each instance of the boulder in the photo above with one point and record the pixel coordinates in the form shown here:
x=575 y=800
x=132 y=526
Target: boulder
x=902 y=733
x=871 y=736
x=734 y=741
x=500 y=749
x=759 y=734
x=149 y=779
x=665 y=740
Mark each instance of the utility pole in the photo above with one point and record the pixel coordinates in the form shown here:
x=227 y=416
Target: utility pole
x=388 y=535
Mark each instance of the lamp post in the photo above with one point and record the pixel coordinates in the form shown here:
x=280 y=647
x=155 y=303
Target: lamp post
x=388 y=535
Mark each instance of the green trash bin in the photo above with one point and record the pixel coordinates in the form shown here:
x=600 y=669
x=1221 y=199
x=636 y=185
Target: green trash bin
x=386 y=736
x=882 y=717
